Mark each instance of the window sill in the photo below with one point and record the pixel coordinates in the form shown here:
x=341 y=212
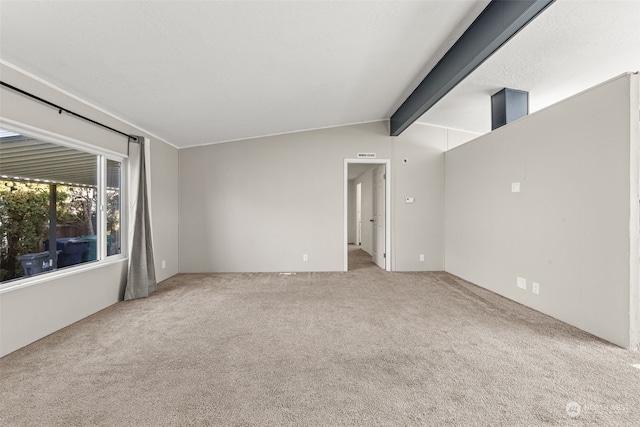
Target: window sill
x=54 y=275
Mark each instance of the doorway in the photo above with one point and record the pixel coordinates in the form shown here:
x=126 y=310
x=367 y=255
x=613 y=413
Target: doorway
x=373 y=225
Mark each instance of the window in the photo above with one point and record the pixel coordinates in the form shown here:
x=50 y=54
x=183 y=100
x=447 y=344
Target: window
x=60 y=206
x=114 y=234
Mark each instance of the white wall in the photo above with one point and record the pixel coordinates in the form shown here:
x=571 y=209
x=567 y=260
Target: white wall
x=421 y=229
x=569 y=227
x=30 y=313
x=165 y=209
x=258 y=205
x=456 y=138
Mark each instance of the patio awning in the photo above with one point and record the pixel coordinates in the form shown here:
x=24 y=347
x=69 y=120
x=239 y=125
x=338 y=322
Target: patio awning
x=31 y=160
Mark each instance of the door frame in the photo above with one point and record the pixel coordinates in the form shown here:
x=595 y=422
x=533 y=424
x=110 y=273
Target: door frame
x=387 y=208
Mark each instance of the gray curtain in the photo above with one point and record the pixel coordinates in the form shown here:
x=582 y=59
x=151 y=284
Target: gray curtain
x=141 y=278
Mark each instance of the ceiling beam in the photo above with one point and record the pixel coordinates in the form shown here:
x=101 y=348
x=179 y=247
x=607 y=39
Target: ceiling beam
x=498 y=22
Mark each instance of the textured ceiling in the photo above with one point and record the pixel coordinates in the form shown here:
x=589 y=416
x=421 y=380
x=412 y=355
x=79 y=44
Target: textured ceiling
x=199 y=72
x=570 y=47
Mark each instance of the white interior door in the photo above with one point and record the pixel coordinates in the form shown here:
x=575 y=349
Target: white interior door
x=379 y=221
x=359 y=214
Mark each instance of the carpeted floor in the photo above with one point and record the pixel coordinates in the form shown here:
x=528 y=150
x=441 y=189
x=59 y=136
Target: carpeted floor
x=364 y=347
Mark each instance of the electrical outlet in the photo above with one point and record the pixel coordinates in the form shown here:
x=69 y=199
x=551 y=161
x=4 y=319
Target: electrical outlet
x=305 y=257
x=164 y=263
x=421 y=257
x=521 y=283
x=535 y=288
x=515 y=187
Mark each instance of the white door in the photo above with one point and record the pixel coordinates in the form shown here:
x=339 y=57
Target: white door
x=359 y=214
x=379 y=256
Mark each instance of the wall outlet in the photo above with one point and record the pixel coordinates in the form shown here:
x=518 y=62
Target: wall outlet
x=535 y=288
x=305 y=257
x=515 y=187
x=521 y=283
x=164 y=263
x=421 y=257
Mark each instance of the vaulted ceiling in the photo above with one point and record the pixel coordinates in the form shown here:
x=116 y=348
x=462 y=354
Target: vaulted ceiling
x=200 y=72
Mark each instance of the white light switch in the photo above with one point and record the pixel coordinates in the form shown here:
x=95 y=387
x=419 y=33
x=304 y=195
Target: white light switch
x=305 y=257
x=408 y=200
x=522 y=283
x=515 y=187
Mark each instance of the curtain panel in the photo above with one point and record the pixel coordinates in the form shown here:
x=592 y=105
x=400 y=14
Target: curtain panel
x=141 y=277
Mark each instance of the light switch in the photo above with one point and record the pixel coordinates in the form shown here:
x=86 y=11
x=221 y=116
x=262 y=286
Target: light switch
x=515 y=187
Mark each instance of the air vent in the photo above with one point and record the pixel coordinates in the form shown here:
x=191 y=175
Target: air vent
x=366 y=155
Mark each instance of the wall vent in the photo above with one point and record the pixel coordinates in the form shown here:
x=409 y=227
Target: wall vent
x=366 y=155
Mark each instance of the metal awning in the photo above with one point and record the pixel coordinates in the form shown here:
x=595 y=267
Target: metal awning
x=31 y=160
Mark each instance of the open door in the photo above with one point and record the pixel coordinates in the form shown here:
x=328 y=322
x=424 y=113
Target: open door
x=379 y=220
x=378 y=211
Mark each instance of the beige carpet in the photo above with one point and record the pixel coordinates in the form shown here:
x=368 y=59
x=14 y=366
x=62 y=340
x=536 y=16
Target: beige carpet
x=322 y=349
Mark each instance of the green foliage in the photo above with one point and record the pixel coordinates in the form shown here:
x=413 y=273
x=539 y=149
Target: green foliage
x=24 y=211
x=24 y=218
x=113 y=210
x=75 y=205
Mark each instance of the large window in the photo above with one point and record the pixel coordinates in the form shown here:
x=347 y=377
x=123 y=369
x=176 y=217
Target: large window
x=60 y=206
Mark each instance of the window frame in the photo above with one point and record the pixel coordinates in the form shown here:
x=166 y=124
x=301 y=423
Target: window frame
x=102 y=155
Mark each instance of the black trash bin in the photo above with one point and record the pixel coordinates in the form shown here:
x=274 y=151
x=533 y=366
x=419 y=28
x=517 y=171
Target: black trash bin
x=71 y=250
x=36 y=263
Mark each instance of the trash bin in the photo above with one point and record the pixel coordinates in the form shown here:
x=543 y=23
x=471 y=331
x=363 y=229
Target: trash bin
x=71 y=250
x=92 y=252
x=36 y=263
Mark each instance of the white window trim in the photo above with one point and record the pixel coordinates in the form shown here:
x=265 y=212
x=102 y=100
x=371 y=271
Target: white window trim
x=103 y=155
